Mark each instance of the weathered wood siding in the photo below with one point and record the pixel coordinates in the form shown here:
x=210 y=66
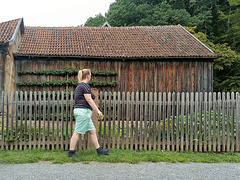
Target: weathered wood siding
x=168 y=75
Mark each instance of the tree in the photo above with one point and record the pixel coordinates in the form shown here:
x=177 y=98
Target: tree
x=226 y=69
x=97 y=21
x=147 y=13
x=164 y=14
x=232 y=36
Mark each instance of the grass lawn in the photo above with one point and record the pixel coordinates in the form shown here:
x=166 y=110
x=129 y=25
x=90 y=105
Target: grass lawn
x=116 y=156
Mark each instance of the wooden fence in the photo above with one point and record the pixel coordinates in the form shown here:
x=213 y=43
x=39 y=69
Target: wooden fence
x=203 y=122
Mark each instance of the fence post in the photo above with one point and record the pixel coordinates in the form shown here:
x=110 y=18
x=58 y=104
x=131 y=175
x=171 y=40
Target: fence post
x=238 y=122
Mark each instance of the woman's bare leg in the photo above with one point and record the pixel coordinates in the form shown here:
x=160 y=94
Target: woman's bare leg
x=93 y=136
x=73 y=141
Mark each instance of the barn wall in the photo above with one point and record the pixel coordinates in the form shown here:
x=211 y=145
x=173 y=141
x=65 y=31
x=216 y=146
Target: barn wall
x=135 y=75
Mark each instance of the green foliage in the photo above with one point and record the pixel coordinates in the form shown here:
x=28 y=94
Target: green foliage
x=63 y=72
x=227 y=68
x=65 y=83
x=67 y=71
x=147 y=13
x=231 y=17
x=97 y=21
x=164 y=14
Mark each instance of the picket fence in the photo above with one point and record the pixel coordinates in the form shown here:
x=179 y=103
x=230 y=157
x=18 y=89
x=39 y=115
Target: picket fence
x=202 y=122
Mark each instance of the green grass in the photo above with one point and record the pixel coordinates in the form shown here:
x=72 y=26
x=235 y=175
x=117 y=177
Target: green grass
x=116 y=156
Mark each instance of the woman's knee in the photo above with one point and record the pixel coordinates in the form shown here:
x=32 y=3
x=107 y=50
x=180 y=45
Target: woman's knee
x=92 y=132
x=76 y=134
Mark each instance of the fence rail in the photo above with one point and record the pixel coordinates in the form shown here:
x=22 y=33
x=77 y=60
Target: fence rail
x=203 y=122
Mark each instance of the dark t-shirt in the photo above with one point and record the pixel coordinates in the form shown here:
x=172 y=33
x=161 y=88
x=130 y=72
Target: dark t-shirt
x=80 y=101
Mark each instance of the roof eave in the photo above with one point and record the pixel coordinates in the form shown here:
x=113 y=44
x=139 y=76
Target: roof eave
x=119 y=57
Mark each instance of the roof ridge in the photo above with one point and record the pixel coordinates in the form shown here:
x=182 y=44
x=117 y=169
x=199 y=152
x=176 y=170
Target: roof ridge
x=10 y=20
x=93 y=27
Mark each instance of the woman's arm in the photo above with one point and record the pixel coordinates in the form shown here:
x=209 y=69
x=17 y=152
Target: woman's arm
x=90 y=101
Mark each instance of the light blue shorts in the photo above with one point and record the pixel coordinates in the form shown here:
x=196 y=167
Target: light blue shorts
x=83 y=120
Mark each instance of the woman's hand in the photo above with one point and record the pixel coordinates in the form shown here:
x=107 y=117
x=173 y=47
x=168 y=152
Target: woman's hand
x=100 y=114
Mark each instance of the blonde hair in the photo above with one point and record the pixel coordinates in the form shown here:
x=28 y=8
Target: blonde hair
x=82 y=74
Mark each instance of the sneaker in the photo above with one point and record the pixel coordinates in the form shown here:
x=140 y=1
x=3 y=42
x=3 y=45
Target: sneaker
x=72 y=154
x=101 y=151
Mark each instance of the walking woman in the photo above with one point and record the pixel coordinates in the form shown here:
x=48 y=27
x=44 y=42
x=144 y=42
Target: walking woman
x=84 y=105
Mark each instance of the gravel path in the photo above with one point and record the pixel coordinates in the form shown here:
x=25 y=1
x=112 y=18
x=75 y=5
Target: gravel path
x=94 y=170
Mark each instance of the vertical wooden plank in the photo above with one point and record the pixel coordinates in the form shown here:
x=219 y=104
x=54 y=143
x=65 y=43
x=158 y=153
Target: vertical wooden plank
x=182 y=120
x=196 y=123
x=154 y=120
x=164 y=122
x=3 y=124
x=210 y=122
x=141 y=121
x=109 y=119
x=62 y=120
x=205 y=121
x=137 y=118
x=127 y=120
x=66 y=122
x=100 y=121
x=145 y=119
x=228 y=121
x=39 y=118
x=12 y=114
x=132 y=120
x=25 y=118
x=238 y=122
x=71 y=112
x=150 y=114
x=57 y=116
x=232 y=122
x=123 y=121
x=191 y=120
x=177 y=126
x=7 y=117
x=173 y=122
x=35 y=121
x=16 y=118
x=200 y=122
x=48 y=120
x=168 y=120
x=114 y=120
x=214 y=123
x=219 y=123
x=30 y=120
x=118 y=119
x=53 y=120
x=21 y=120
x=44 y=120
x=187 y=123
x=159 y=119
x=104 y=119
x=223 y=122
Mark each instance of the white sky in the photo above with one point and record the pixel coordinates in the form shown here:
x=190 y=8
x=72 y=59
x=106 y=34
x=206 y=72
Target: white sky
x=52 y=12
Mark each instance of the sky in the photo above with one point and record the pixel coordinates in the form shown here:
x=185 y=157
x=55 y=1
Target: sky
x=52 y=13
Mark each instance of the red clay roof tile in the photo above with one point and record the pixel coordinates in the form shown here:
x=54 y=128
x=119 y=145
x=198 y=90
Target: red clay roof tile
x=7 y=30
x=112 y=42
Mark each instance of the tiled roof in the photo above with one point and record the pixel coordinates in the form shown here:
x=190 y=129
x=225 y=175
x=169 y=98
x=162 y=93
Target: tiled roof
x=7 y=30
x=112 y=42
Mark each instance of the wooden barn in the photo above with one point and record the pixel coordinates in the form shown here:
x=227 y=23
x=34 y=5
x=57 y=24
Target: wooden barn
x=142 y=58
